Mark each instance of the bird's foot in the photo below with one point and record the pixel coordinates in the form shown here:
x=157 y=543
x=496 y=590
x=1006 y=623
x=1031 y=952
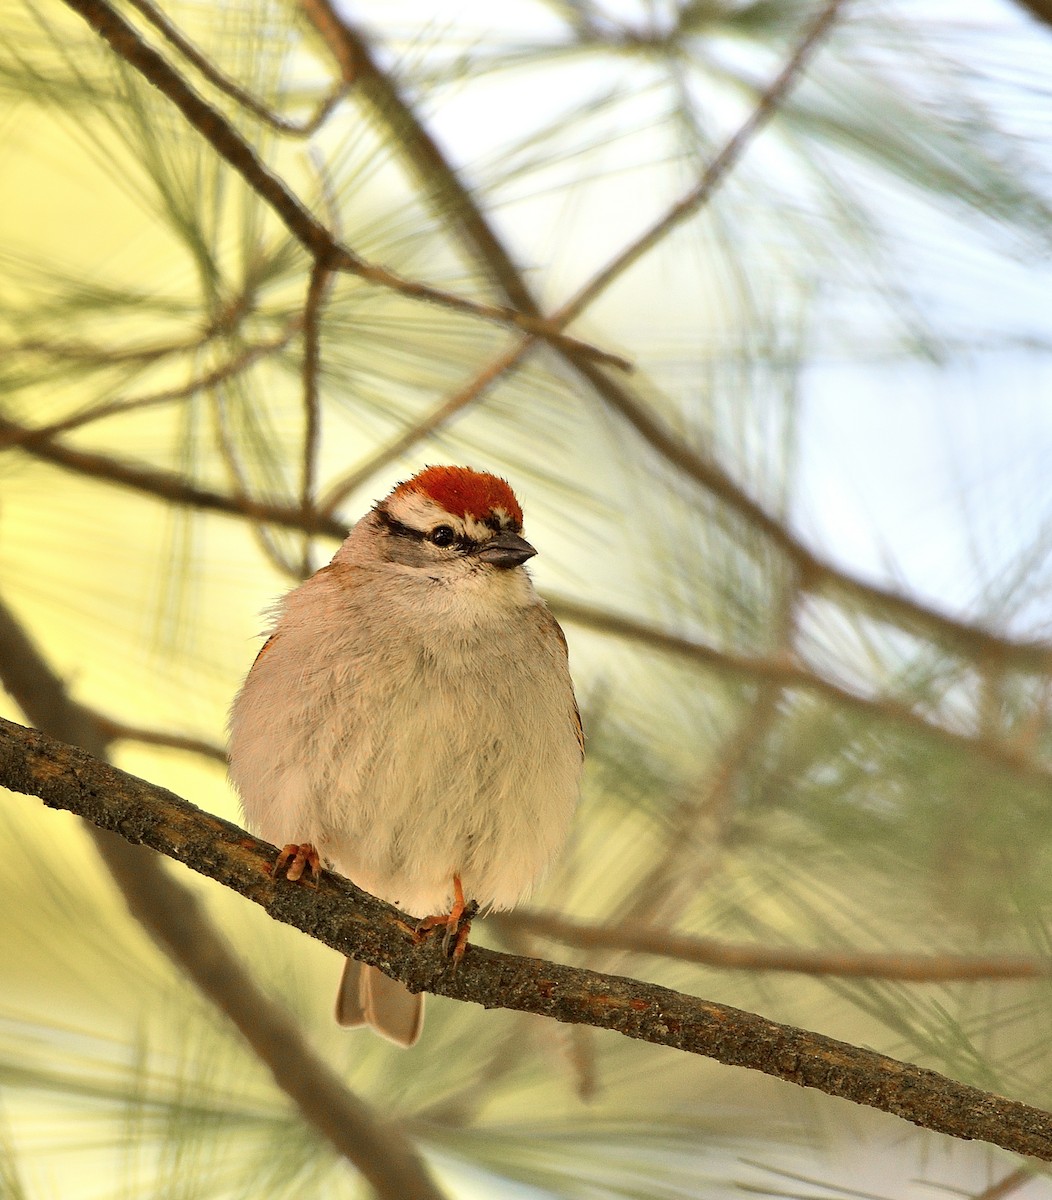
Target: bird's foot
x=457 y=924
x=299 y=858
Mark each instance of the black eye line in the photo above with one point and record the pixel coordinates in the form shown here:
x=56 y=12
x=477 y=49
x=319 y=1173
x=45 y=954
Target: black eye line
x=462 y=544
x=399 y=528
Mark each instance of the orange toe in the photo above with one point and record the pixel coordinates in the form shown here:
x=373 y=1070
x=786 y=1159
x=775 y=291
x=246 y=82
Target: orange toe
x=303 y=857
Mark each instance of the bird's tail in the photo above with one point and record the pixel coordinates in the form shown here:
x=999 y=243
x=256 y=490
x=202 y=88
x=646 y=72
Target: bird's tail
x=369 y=997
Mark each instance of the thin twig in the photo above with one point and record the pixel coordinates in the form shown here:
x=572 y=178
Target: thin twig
x=1040 y=10
x=791 y=675
x=439 y=181
x=174 y=488
x=709 y=952
x=228 y=87
x=359 y=925
x=88 y=352
x=1005 y=1186
x=351 y=50
x=717 y=170
x=119 y=731
x=175 y=919
x=230 y=450
x=301 y=223
x=319 y=281
x=250 y=355
x=437 y=417
x=818 y=574
x=662 y=888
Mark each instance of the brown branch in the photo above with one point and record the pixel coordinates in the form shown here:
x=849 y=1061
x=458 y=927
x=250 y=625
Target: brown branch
x=351 y=50
x=438 y=179
x=227 y=86
x=717 y=170
x=1006 y=1185
x=705 y=819
x=89 y=352
x=301 y=223
x=433 y=420
x=816 y=573
x=1040 y=10
x=118 y=731
x=356 y=924
x=172 y=915
x=319 y=282
x=29 y=435
x=172 y=487
x=708 y=952
x=230 y=448
x=787 y=673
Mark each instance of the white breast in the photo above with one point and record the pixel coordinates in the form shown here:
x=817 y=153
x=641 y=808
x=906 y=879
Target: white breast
x=412 y=739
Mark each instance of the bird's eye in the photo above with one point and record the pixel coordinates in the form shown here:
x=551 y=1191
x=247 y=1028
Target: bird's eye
x=443 y=535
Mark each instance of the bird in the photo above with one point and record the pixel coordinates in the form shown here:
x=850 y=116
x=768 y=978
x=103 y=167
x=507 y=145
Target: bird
x=411 y=722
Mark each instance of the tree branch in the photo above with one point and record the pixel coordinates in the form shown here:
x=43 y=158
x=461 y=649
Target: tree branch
x=118 y=731
x=788 y=673
x=708 y=952
x=170 y=486
x=354 y=923
x=23 y=435
x=218 y=80
x=338 y=491
x=301 y=223
x=352 y=52
x=714 y=174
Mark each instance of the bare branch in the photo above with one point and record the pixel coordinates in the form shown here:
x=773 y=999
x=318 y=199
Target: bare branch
x=27 y=435
x=439 y=181
x=301 y=223
x=119 y=731
x=433 y=420
x=172 y=487
x=708 y=952
x=227 y=86
x=816 y=573
x=787 y=673
x=1040 y=10
x=716 y=171
x=356 y=924
x=319 y=282
x=172 y=915
x=698 y=826
x=1006 y=1185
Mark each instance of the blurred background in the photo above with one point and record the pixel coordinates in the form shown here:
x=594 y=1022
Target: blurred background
x=800 y=550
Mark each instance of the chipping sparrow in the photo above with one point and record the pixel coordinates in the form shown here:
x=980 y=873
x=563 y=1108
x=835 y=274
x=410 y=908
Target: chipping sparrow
x=411 y=720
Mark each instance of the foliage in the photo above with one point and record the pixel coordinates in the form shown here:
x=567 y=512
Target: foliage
x=152 y=310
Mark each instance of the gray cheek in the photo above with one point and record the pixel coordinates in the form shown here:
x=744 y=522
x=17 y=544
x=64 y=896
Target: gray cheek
x=447 y=566
x=408 y=552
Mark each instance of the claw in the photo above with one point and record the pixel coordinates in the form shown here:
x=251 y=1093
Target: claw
x=304 y=858
x=457 y=924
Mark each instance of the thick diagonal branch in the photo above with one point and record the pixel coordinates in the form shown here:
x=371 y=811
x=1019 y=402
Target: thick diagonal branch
x=351 y=921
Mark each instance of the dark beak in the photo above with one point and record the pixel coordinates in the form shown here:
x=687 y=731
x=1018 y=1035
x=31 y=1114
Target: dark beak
x=506 y=550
